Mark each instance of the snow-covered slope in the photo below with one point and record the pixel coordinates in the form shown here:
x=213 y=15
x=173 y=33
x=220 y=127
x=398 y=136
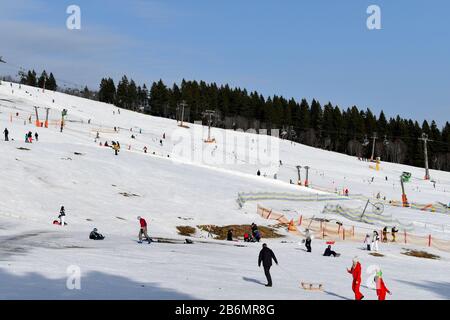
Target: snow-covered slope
x=182 y=181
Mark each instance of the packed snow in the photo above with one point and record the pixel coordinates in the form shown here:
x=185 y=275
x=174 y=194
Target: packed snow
x=183 y=181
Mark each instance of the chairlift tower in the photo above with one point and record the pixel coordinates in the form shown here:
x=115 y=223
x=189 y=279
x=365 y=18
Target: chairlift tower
x=299 y=181
x=181 y=106
x=374 y=137
x=425 y=140
x=210 y=114
x=307 y=176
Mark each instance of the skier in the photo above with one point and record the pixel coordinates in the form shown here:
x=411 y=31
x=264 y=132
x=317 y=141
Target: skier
x=308 y=240
x=143 y=229
x=230 y=235
x=265 y=256
x=258 y=173
x=355 y=271
x=328 y=252
x=381 y=287
x=30 y=137
x=62 y=216
x=36 y=136
x=94 y=235
x=375 y=240
x=6 y=132
x=145 y=149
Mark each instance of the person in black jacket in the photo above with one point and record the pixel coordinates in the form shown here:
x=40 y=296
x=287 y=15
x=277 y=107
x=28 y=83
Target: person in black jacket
x=265 y=256
x=95 y=235
x=230 y=235
x=328 y=252
x=6 y=132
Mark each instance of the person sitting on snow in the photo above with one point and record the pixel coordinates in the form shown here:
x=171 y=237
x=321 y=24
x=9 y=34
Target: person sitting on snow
x=95 y=235
x=328 y=252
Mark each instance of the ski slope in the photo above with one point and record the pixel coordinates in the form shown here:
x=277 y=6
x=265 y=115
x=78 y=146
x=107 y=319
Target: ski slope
x=182 y=182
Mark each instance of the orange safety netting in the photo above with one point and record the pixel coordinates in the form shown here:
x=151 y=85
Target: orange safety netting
x=337 y=232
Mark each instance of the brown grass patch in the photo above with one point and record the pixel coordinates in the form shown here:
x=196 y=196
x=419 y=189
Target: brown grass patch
x=375 y=254
x=238 y=231
x=420 y=254
x=186 y=230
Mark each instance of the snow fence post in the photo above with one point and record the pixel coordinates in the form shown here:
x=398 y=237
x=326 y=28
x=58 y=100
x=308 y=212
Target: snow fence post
x=323 y=232
x=300 y=220
x=429 y=240
x=405 y=236
x=353 y=231
x=343 y=233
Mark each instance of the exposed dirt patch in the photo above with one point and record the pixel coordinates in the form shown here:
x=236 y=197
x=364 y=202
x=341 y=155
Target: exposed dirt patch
x=78 y=154
x=120 y=218
x=129 y=195
x=420 y=254
x=186 y=230
x=238 y=231
x=23 y=149
x=376 y=254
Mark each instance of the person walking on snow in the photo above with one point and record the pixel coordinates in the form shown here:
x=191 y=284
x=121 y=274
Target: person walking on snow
x=355 y=271
x=265 y=256
x=143 y=230
x=6 y=132
x=36 y=136
x=381 y=287
x=308 y=240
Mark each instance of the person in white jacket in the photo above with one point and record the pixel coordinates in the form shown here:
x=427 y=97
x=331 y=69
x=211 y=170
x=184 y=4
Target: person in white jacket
x=375 y=240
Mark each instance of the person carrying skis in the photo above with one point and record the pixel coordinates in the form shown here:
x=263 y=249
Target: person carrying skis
x=381 y=287
x=94 y=235
x=355 y=271
x=62 y=216
x=265 y=256
x=6 y=132
x=143 y=229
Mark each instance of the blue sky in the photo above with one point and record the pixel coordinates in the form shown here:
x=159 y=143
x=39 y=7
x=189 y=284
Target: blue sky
x=296 y=48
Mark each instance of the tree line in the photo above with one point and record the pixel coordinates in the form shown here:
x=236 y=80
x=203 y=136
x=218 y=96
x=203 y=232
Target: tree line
x=349 y=131
x=30 y=79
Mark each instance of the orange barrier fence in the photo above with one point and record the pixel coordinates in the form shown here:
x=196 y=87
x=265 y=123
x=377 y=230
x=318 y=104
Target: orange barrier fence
x=337 y=232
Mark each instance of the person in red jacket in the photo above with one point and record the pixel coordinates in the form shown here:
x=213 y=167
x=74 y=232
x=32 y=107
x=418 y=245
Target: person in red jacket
x=381 y=287
x=143 y=230
x=355 y=271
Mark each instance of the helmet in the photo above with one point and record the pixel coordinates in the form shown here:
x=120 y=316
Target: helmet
x=95 y=229
x=139 y=217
